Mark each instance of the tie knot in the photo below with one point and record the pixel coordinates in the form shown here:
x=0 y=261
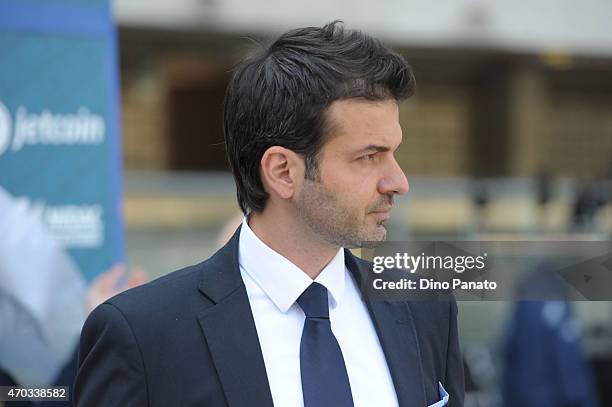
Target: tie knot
x=313 y=301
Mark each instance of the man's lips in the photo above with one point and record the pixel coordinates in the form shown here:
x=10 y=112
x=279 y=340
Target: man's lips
x=386 y=209
x=382 y=214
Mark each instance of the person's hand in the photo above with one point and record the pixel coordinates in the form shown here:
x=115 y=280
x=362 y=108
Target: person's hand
x=112 y=282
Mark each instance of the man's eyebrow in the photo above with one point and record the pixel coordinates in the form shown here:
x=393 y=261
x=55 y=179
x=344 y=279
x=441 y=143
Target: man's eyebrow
x=376 y=147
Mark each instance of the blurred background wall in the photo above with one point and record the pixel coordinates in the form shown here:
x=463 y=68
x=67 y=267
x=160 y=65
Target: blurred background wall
x=509 y=135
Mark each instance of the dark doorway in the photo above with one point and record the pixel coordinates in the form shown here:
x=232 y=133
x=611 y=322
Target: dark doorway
x=195 y=127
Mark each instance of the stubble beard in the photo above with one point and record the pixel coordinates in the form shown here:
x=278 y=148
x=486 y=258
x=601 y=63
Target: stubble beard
x=334 y=222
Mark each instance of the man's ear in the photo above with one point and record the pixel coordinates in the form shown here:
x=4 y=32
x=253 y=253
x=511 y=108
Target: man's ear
x=282 y=171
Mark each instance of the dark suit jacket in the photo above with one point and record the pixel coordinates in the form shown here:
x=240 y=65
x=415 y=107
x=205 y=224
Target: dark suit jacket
x=189 y=339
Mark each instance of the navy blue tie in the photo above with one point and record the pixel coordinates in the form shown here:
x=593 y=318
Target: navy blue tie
x=325 y=382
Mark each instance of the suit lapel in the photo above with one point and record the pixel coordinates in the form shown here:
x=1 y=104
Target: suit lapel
x=230 y=331
x=397 y=334
x=231 y=335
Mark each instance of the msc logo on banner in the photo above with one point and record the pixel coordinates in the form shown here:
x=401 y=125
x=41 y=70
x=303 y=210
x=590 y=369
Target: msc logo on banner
x=47 y=128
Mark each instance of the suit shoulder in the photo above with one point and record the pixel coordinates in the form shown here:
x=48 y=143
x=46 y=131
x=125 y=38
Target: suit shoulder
x=163 y=292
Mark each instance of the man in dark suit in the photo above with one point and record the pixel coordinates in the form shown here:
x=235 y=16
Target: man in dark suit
x=276 y=316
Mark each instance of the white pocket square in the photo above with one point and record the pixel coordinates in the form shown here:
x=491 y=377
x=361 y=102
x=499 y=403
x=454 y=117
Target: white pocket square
x=443 y=397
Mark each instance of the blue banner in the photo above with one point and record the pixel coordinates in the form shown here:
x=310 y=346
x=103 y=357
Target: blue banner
x=59 y=134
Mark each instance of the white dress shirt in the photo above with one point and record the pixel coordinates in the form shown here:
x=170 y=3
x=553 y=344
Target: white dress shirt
x=273 y=285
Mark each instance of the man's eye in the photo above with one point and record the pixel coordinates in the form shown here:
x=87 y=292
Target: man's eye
x=369 y=157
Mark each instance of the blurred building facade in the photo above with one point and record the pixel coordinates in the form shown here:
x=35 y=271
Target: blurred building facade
x=503 y=89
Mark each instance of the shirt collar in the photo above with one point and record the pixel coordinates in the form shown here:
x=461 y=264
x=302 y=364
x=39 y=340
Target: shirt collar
x=281 y=280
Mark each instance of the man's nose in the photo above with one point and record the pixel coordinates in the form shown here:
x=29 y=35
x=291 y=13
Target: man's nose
x=395 y=181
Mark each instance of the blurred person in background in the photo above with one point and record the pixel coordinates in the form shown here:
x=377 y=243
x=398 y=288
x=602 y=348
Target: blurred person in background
x=44 y=300
x=590 y=197
x=543 y=361
x=276 y=317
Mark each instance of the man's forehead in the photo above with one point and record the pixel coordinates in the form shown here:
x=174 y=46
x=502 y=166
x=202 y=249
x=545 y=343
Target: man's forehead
x=362 y=123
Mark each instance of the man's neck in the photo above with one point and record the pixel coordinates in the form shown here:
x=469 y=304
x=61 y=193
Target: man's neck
x=293 y=240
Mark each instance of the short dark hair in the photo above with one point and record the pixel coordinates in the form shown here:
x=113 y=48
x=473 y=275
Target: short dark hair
x=279 y=96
